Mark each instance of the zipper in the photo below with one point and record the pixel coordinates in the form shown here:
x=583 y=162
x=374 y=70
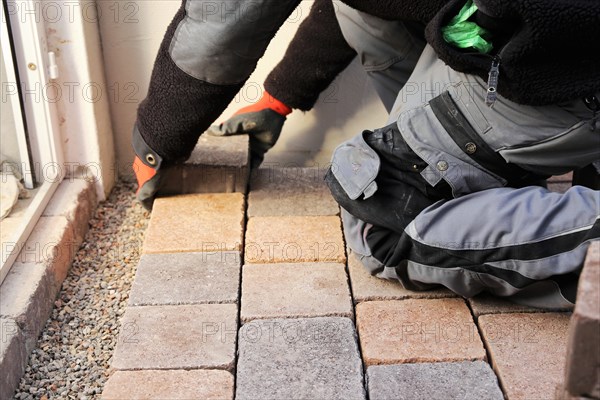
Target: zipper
x=492 y=83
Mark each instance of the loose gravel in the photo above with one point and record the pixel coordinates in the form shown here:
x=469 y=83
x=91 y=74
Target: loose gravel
x=72 y=356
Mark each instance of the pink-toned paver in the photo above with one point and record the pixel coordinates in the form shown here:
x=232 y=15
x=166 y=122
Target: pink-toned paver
x=488 y=304
x=177 y=337
x=196 y=222
x=295 y=290
x=366 y=287
x=294 y=240
x=169 y=384
x=417 y=330
x=582 y=376
x=527 y=352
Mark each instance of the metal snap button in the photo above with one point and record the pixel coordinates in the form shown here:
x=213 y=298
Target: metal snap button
x=470 y=148
x=442 y=165
x=150 y=159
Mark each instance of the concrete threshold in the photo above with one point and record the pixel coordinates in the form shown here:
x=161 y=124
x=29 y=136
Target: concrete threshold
x=28 y=292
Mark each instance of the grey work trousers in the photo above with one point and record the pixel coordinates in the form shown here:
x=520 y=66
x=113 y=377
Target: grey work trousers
x=485 y=233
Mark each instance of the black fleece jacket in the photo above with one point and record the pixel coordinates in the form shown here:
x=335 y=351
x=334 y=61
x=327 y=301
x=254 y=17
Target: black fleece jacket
x=552 y=56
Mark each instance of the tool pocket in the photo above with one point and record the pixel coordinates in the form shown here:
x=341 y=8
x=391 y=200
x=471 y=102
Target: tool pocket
x=355 y=165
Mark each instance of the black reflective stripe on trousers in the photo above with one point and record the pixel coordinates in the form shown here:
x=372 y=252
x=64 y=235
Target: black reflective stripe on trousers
x=463 y=134
x=405 y=248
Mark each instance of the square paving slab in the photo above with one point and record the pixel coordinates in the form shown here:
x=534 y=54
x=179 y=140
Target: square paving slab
x=527 y=352
x=294 y=240
x=434 y=381
x=177 y=337
x=307 y=358
x=196 y=222
x=295 y=290
x=186 y=278
x=408 y=331
x=169 y=384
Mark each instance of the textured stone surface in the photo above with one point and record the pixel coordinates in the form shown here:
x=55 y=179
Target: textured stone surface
x=177 y=337
x=13 y=357
x=582 y=376
x=434 y=381
x=366 y=287
x=217 y=165
x=559 y=187
x=196 y=222
x=527 y=352
x=568 y=177
x=406 y=331
x=487 y=304
x=169 y=384
x=295 y=290
x=313 y=358
x=290 y=191
x=294 y=239
x=186 y=278
x=76 y=200
x=27 y=296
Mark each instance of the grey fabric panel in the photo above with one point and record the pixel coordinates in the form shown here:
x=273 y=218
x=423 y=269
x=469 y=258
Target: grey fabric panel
x=563 y=263
x=355 y=165
x=505 y=217
x=387 y=50
x=221 y=42
x=355 y=231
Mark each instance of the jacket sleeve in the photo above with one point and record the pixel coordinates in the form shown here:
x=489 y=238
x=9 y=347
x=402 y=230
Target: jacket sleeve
x=316 y=55
x=208 y=52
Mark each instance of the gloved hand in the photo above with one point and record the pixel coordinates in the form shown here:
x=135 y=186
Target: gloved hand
x=147 y=168
x=262 y=121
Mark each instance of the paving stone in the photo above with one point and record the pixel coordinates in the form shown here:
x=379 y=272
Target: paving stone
x=196 y=222
x=295 y=290
x=177 y=337
x=294 y=239
x=290 y=191
x=217 y=165
x=417 y=330
x=366 y=287
x=186 y=278
x=583 y=357
x=27 y=296
x=307 y=358
x=169 y=384
x=487 y=304
x=76 y=200
x=468 y=380
x=527 y=352
x=13 y=357
x=559 y=187
x=568 y=177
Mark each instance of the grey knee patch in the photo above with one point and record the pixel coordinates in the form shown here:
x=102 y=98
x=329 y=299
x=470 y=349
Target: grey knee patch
x=221 y=42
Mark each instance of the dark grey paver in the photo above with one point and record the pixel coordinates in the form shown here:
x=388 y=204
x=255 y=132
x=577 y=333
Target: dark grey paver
x=434 y=381
x=186 y=278
x=177 y=337
x=217 y=165
x=289 y=191
x=307 y=358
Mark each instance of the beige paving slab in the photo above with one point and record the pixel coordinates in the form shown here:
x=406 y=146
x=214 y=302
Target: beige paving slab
x=177 y=337
x=488 y=304
x=295 y=290
x=196 y=223
x=366 y=287
x=290 y=191
x=169 y=384
x=527 y=352
x=294 y=239
x=417 y=330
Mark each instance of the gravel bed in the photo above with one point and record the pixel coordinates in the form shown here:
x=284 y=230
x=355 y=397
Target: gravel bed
x=72 y=355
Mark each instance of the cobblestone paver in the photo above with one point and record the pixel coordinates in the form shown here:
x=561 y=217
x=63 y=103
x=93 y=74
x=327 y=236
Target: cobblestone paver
x=434 y=381
x=308 y=358
x=267 y=291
